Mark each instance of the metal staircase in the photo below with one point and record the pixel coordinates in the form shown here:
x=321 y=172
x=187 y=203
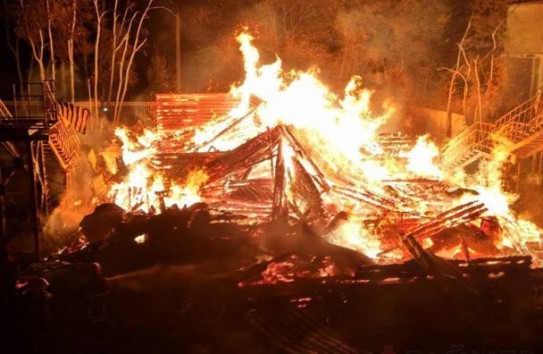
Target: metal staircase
x=39 y=143
x=523 y=126
x=472 y=144
x=63 y=140
x=64 y=143
x=37 y=111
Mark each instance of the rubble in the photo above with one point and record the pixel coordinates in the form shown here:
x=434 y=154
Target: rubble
x=199 y=279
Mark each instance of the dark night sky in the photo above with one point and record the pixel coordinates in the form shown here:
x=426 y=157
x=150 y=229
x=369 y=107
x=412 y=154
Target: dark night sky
x=161 y=28
x=8 y=73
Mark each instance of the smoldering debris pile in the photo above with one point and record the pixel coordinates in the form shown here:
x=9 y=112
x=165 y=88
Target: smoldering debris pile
x=196 y=234
x=258 y=265
x=194 y=278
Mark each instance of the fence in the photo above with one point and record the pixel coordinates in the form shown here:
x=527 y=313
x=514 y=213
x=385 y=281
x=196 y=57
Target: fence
x=131 y=112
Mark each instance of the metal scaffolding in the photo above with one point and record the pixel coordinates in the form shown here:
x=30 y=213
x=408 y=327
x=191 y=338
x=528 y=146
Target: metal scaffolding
x=24 y=134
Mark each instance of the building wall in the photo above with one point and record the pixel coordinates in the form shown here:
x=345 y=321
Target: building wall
x=524 y=45
x=525 y=29
x=436 y=123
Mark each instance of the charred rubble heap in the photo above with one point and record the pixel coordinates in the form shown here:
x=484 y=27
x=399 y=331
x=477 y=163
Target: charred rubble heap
x=204 y=279
x=187 y=278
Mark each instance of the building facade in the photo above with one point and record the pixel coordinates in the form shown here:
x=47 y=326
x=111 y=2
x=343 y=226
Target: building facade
x=524 y=47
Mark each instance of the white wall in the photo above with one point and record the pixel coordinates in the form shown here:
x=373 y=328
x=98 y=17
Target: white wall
x=525 y=29
x=525 y=37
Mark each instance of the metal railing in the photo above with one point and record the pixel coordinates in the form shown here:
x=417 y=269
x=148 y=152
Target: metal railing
x=536 y=122
x=49 y=103
x=130 y=112
x=514 y=131
x=65 y=144
x=33 y=106
x=524 y=112
x=521 y=124
x=4 y=111
x=474 y=139
x=516 y=125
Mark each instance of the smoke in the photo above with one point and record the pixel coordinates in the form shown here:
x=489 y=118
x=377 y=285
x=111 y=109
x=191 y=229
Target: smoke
x=74 y=204
x=213 y=68
x=86 y=182
x=395 y=46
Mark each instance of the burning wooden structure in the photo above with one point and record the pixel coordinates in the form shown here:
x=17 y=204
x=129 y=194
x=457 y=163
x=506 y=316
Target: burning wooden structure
x=270 y=153
x=281 y=216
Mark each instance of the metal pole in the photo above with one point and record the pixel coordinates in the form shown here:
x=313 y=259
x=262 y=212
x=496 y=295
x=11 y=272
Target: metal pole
x=44 y=105
x=3 y=230
x=177 y=53
x=518 y=177
x=34 y=205
x=15 y=110
x=44 y=205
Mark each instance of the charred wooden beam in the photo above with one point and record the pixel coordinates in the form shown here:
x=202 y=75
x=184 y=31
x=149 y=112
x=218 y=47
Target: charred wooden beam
x=304 y=158
x=244 y=156
x=306 y=195
x=450 y=218
x=280 y=199
x=232 y=125
x=365 y=197
x=435 y=265
x=454 y=217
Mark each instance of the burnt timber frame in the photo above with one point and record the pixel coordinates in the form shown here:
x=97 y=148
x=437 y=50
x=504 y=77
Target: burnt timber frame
x=27 y=128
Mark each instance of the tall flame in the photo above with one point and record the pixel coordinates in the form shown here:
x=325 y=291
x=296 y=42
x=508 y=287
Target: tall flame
x=143 y=187
x=342 y=133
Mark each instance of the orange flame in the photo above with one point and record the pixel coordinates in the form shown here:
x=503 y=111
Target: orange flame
x=341 y=132
x=143 y=187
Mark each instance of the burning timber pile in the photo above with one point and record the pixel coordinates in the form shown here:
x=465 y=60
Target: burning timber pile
x=292 y=152
x=289 y=216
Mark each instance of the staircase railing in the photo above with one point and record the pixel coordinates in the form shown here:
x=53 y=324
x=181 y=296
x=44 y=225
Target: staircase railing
x=474 y=139
x=516 y=125
x=65 y=144
x=50 y=106
x=483 y=141
x=536 y=122
x=456 y=146
x=63 y=138
x=524 y=112
x=4 y=111
x=514 y=131
x=28 y=106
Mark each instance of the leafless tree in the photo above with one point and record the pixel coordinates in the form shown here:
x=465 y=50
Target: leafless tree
x=479 y=66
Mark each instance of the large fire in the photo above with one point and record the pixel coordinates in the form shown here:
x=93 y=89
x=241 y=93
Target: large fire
x=146 y=189
x=341 y=132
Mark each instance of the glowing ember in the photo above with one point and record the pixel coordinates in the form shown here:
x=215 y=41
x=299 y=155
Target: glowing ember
x=140 y=239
